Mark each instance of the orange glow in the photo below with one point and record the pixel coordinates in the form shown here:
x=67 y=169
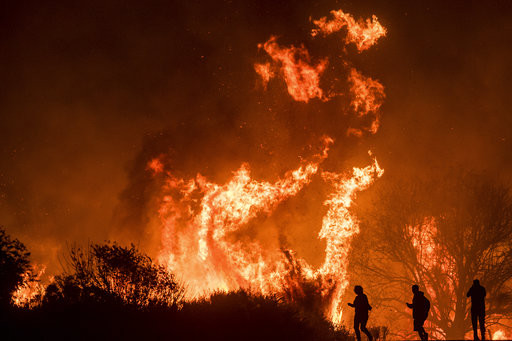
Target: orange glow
x=363 y=34
x=500 y=335
x=428 y=251
x=156 y=166
x=302 y=78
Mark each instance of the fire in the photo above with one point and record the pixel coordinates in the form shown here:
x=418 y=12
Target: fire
x=363 y=34
x=500 y=335
x=265 y=73
x=31 y=290
x=155 y=165
x=301 y=77
x=433 y=258
x=367 y=97
x=203 y=223
x=339 y=226
x=199 y=217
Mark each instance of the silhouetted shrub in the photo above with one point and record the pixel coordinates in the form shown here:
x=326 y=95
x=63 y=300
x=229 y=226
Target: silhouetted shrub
x=243 y=316
x=14 y=263
x=111 y=292
x=113 y=274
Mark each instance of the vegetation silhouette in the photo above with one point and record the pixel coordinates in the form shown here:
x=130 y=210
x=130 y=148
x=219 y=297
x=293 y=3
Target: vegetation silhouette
x=110 y=273
x=14 y=264
x=112 y=292
x=440 y=232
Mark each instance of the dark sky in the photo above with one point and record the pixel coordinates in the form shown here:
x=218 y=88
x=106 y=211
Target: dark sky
x=91 y=90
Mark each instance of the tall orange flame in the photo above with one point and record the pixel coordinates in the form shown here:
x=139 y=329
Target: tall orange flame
x=339 y=226
x=198 y=217
x=201 y=220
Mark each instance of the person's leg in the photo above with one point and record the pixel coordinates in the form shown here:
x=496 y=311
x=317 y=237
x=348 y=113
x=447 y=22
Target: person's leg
x=366 y=331
x=481 y=320
x=474 y=321
x=356 y=328
x=425 y=334
x=417 y=328
x=422 y=333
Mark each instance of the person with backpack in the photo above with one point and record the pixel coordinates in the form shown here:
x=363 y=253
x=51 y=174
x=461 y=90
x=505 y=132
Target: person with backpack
x=477 y=294
x=362 y=306
x=420 y=307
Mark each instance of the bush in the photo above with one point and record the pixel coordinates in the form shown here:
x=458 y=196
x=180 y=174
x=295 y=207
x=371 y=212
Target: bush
x=113 y=274
x=14 y=264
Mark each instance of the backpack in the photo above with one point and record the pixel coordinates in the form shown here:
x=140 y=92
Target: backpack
x=426 y=306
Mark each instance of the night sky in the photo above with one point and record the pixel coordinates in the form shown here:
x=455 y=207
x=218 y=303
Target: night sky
x=92 y=90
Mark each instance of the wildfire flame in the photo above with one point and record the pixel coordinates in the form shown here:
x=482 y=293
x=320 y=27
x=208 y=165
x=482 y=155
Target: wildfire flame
x=202 y=221
x=367 y=97
x=339 y=226
x=301 y=77
x=31 y=290
x=363 y=34
x=265 y=73
x=198 y=217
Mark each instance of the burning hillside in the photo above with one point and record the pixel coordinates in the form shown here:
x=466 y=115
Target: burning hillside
x=202 y=221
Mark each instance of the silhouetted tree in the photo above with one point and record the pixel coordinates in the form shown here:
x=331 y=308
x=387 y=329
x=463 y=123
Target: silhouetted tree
x=14 y=263
x=441 y=234
x=111 y=273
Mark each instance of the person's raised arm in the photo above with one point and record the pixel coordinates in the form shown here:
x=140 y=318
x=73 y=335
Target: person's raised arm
x=409 y=305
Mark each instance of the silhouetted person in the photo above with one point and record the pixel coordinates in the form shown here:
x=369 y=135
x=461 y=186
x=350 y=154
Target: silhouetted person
x=420 y=307
x=361 y=316
x=477 y=293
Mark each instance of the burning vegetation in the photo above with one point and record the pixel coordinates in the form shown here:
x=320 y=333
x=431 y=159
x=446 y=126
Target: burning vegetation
x=199 y=218
x=214 y=271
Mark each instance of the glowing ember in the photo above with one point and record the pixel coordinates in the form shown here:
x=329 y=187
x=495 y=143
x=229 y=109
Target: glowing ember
x=363 y=34
x=155 y=165
x=301 y=77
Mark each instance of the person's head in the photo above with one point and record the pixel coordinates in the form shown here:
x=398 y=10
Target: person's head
x=476 y=282
x=358 y=289
x=415 y=288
